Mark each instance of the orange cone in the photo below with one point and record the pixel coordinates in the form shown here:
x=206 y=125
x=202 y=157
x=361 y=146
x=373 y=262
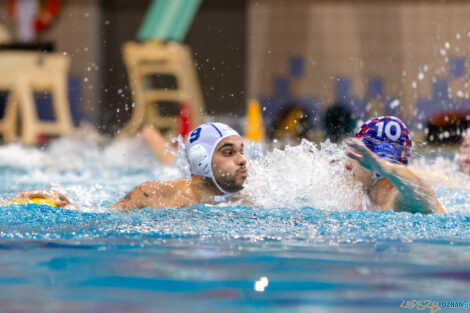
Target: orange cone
x=184 y=120
x=254 y=128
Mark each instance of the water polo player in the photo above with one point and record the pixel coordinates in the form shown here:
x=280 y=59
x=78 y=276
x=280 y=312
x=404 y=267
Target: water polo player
x=378 y=160
x=464 y=153
x=218 y=171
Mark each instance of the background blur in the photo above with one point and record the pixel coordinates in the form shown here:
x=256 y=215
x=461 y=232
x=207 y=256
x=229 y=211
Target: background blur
x=403 y=58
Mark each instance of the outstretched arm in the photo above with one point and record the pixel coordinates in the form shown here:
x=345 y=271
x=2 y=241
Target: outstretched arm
x=159 y=145
x=53 y=196
x=414 y=194
x=152 y=194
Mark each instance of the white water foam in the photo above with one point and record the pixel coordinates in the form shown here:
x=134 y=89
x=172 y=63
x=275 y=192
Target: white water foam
x=302 y=176
x=441 y=171
x=93 y=175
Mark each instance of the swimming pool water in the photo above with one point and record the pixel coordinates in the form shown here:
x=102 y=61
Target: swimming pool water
x=281 y=255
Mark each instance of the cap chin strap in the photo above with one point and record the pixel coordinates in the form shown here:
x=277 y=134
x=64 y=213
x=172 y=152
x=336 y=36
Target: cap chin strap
x=218 y=199
x=377 y=177
x=211 y=173
x=226 y=193
x=366 y=202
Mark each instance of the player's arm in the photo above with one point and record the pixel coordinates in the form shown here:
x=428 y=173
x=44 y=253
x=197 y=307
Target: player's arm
x=52 y=195
x=414 y=194
x=149 y=194
x=159 y=145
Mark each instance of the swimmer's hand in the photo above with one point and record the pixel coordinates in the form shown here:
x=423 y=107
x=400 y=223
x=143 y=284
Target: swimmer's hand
x=366 y=158
x=415 y=195
x=53 y=196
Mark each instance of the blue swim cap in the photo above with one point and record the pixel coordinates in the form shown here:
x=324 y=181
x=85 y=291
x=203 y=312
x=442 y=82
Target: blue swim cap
x=200 y=147
x=387 y=137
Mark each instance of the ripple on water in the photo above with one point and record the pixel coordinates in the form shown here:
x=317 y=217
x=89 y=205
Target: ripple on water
x=284 y=224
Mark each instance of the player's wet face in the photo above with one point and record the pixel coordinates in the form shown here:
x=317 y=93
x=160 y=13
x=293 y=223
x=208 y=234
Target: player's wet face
x=229 y=164
x=359 y=174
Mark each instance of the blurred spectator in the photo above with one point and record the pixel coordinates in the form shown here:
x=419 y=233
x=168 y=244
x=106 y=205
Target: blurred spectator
x=292 y=125
x=338 y=122
x=447 y=127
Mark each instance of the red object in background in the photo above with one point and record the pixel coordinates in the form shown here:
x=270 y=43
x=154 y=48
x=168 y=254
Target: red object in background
x=42 y=139
x=185 y=120
x=48 y=12
x=11 y=7
x=39 y=25
x=448 y=118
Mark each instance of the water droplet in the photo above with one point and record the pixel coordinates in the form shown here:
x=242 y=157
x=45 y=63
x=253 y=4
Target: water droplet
x=394 y=104
x=261 y=284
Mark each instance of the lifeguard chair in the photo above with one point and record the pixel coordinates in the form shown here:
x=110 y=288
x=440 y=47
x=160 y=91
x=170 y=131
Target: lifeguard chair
x=162 y=55
x=21 y=75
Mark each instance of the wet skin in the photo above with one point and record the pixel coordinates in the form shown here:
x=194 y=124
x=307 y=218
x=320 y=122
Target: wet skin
x=399 y=188
x=228 y=166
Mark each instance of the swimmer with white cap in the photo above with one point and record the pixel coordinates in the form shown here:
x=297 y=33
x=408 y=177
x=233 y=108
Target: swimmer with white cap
x=378 y=159
x=218 y=171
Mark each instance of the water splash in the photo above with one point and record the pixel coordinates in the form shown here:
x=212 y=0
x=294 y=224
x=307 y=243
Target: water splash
x=302 y=176
x=93 y=175
x=87 y=172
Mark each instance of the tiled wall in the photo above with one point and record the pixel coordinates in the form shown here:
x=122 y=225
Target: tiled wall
x=372 y=55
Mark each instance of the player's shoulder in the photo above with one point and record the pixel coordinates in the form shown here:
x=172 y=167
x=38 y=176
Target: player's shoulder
x=166 y=187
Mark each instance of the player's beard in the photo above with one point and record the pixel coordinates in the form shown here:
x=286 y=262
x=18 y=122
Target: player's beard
x=229 y=183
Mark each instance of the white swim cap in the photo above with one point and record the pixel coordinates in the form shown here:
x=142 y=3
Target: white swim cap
x=200 y=147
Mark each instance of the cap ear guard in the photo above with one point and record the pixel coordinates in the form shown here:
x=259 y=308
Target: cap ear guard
x=200 y=147
x=199 y=161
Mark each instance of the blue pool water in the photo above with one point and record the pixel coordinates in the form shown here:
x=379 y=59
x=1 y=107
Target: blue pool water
x=300 y=248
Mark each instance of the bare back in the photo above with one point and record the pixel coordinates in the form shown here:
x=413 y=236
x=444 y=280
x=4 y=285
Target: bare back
x=154 y=194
